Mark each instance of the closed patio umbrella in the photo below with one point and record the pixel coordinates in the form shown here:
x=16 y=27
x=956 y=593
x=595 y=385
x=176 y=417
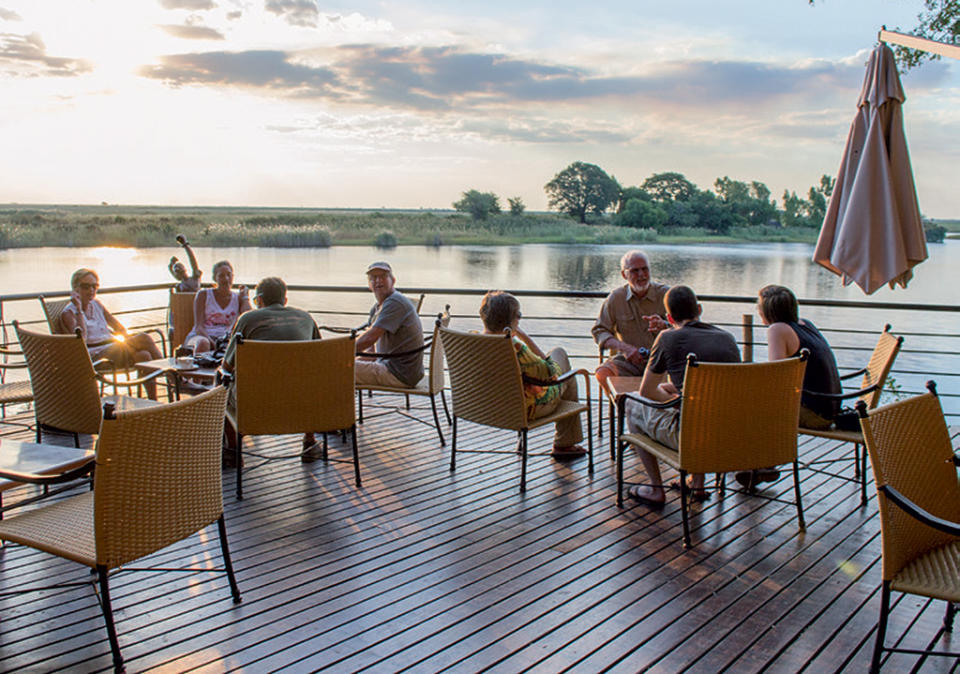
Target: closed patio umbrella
x=872 y=233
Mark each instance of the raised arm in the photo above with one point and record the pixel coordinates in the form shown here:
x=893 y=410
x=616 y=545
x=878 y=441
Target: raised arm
x=194 y=267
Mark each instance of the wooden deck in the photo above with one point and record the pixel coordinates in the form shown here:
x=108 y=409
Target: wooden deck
x=426 y=570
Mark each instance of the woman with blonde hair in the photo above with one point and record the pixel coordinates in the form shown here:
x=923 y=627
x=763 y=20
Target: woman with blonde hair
x=104 y=335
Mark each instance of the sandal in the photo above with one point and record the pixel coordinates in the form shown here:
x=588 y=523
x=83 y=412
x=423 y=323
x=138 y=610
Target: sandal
x=699 y=495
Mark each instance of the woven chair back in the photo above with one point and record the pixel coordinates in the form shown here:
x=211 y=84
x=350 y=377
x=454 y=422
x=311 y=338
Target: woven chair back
x=181 y=317
x=881 y=360
x=157 y=478
x=910 y=450
x=65 y=391
x=295 y=387
x=739 y=416
x=53 y=310
x=435 y=371
x=485 y=381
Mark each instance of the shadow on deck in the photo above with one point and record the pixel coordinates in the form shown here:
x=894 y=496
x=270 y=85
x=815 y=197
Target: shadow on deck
x=427 y=570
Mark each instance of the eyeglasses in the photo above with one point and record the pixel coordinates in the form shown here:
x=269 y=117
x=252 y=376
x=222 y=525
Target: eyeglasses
x=635 y=270
x=89 y=286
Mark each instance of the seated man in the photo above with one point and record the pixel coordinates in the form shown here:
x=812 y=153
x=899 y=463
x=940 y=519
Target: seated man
x=500 y=311
x=273 y=320
x=663 y=381
x=394 y=328
x=629 y=319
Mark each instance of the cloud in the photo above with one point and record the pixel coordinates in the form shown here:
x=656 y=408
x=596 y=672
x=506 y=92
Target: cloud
x=195 y=5
x=304 y=13
x=28 y=55
x=193 y=32
x=234 y=15
x=272 y=70
x=452 y=79
x=9 y=15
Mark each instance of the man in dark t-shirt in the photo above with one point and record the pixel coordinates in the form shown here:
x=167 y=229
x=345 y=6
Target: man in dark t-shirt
x=663 y=381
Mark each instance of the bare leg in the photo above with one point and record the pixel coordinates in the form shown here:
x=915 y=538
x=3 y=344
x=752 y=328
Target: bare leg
x=651 y=465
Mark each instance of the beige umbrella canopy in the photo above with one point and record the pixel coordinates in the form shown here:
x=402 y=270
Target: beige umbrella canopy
x=872 y=233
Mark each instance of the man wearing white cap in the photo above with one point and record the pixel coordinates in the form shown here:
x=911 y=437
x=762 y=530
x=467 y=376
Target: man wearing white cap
x=395 y=328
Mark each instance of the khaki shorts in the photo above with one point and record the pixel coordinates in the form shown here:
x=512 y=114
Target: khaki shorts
x=375 y=373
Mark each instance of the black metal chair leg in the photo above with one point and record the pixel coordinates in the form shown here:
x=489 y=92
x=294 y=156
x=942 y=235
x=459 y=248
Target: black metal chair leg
x=453 y=447
x=881 y=627
x=863 y=476
x=436 y=420
x=796 y=493
x=948 y=617
x=360 y=406
x=684 y=502
x=443 y=399
x=356 y=456
x=523 y=461
x=227 y=564
x=104 y=581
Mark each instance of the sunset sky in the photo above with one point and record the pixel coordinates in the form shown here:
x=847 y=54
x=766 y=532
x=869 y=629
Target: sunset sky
x=408 y=103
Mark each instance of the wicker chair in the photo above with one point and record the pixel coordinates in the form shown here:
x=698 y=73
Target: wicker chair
x=871 y=386
x=916 y=477
x=430 y=385
x=179 y=318
x=486 y=386
x=66 y=385
x=13 y=392
x=157 y=481
x=736 y=416
x=53 y=310
x=293 y=387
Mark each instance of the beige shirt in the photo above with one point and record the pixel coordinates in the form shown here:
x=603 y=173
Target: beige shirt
x=622 y=312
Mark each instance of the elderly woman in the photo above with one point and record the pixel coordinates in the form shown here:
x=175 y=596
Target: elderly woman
x=103 y=334
x=215 y=310
x=500 y=312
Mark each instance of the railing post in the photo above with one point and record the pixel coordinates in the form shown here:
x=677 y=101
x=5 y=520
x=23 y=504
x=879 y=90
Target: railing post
x=747 y=338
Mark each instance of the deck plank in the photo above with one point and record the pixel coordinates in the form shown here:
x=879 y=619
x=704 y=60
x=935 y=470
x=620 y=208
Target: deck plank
x=424 y=569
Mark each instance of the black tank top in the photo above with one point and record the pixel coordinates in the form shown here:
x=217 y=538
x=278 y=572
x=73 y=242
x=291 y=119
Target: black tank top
x=821 y=374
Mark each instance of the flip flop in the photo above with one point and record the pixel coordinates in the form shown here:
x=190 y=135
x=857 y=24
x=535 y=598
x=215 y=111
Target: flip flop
x=698 y=495
x=640 y=498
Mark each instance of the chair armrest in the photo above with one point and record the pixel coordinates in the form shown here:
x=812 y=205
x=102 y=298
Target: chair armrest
x=163 y=340
x=842 y=396
x=398 y=354
x=4 y=351
x=335 y=329
x=57 y=478
x=919 y=513
x=624 y=397
x=12 y=366
x=858 y=373
x=956 y=460
x=131 y=382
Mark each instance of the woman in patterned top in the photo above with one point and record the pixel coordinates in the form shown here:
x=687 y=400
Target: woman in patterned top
x=500 y=312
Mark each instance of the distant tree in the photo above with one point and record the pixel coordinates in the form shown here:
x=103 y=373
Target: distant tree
x=827 y=183
x=670 y=186
x=517 y=206
x=816 y=207
x=628 y=193
x=642 y=213
x=940 y=21
x=712 y=214
x=582 y=188
x=480 y=205
x=934 y=233
x=764 y=208
x=793 y=207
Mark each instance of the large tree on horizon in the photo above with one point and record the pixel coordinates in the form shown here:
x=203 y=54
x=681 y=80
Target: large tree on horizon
x=582 y=188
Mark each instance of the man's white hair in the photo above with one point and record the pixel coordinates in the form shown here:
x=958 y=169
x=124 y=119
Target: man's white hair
x=631 y=253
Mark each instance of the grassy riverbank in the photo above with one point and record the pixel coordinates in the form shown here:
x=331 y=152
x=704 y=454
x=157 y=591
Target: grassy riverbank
x=149 y=226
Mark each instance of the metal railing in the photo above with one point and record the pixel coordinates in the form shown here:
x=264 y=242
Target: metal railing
x=931 y=347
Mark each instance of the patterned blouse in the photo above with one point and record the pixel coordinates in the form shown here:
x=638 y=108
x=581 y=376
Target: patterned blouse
x=533 y=365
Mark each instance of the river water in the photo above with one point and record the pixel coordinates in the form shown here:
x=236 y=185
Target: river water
x=710 y=269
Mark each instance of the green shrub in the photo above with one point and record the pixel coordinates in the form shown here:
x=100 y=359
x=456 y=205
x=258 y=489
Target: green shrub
x=385 y=239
